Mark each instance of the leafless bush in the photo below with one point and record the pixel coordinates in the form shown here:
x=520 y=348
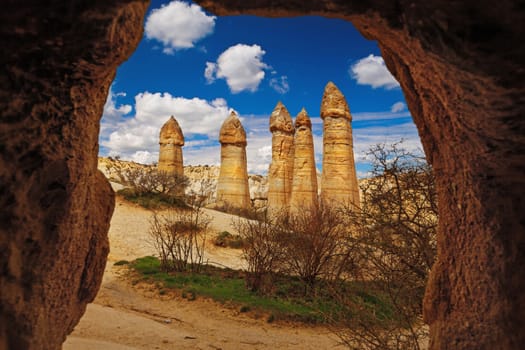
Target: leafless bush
x=179 y=237
x=262 y=251
x=315 y=245
x=144 y=179
x=395 y=230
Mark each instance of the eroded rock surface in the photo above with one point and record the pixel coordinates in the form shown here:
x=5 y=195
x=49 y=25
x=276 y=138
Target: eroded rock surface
x=339 y=179
x=57 y=64
x=281 y=168
x=171 y=140
x=304 y=184
x=232 y=186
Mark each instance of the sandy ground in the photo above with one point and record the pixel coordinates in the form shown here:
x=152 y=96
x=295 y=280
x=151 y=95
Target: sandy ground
x=124 y=317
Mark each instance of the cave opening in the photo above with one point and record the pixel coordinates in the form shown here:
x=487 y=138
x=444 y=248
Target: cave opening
x=461 y=87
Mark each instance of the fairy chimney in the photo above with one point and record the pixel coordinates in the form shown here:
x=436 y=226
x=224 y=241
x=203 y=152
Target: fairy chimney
x=171 y=142
x=304 y=183
x=280 y=172
x=232 y=186
x=338 y=180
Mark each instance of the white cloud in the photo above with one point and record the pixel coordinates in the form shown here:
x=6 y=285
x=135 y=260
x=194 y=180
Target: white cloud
x=280 y=85
x=112 y=113
x=145 y=157
x=178 y=25
x=135 y=137
x=398 y=107
x=240 y=65
x=140 y=133
x=210 y=71
x=372 y=71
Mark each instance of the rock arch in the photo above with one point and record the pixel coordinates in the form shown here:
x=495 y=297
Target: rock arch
x=460 y=65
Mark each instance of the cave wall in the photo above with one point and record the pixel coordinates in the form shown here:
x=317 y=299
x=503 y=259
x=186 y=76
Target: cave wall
x=57 y=62
x=460 y=65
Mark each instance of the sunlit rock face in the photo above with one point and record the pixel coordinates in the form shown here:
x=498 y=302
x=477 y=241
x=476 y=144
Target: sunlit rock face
x=304 y=183
x=280 y=172
x=171 y=141
x=232 y=187
x=339 y=180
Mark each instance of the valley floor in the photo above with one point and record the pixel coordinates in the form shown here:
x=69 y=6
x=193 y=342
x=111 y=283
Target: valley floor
x=125 y=317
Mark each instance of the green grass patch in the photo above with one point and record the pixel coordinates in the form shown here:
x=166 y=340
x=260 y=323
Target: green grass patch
x=288 y=301
x=152 y=200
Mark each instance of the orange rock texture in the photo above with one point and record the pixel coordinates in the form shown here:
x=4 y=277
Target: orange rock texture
x=171 y=140
x=281 y=168
x=339 y=179
x=232 y=186
x=55 y=205
x=304 y=183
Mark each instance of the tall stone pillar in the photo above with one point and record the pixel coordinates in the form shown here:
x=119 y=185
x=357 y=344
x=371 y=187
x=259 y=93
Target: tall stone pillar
x=281 y=169
x=338 y=180
x=232 y=186
x=304 y=183
x=171 y=142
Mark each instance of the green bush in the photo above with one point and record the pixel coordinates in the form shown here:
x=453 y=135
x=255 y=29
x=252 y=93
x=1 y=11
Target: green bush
x=226 y=239
x=153 y=200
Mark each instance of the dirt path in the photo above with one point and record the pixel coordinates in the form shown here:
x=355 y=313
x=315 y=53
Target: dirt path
x=125 y=317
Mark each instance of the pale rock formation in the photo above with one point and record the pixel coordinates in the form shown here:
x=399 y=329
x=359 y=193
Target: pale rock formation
x=281 y=168
x=338 y=180
x=171 y=141
x=232 y=187
x=304 y=184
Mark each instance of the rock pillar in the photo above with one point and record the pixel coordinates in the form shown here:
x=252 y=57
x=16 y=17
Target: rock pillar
x=171 y=142
x=338 y=180
x=232 y=187
x=281 y=169
x=304 y=184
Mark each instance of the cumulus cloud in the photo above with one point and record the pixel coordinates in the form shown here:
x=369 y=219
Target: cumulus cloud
x=133 y=136
x=397 y=107
x=280 y=85
x=113 y=112
x=178 y=25
x=372 y=71
x=240 y=65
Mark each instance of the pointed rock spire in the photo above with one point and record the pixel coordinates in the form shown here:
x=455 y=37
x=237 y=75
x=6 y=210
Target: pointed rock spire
x=334 y=103
x=338 y=180
x=232 y=186
x=280 y=119
x=171 y=141
x=281 y=168
x=304 y=183
x=232 y=131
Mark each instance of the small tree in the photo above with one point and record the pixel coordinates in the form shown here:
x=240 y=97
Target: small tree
x=179 y=237
x=314 y=243
x=395 y=229
x=146 y=179
x=262 y=251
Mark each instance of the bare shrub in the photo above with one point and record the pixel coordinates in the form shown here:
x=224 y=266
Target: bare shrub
x=145 y=179
x=179 y=237
x=395 y=230
x=314 y=242
x=262 y=251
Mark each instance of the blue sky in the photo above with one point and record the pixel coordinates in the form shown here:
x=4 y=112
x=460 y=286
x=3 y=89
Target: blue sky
x=198 y=67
